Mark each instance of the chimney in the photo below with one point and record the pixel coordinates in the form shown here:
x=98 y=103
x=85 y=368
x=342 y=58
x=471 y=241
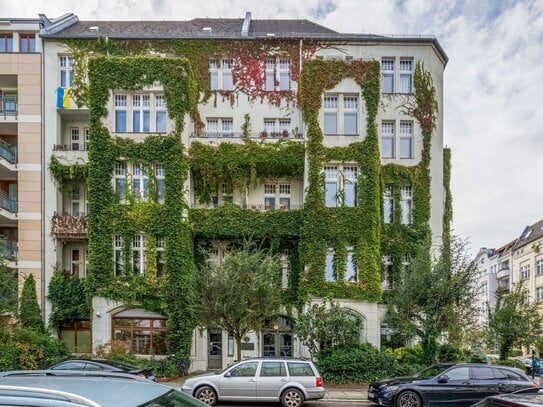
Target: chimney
x=246 y=24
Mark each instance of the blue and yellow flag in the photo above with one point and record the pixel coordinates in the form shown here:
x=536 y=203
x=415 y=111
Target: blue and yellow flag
x=63 y=98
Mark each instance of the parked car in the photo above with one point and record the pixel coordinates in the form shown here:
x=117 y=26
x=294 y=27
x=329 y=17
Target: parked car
x=448 y=384
x=290 y=381
x=72 y=373
x=523 y=398
x=104 y=366
x=71 y=391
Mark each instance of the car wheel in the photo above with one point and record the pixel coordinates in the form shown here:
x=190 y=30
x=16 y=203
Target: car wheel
x=207 y=395
x=292 y=398
x=408 y=399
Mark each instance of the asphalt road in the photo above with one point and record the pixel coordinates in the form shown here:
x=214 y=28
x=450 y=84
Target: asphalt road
x=320 y=403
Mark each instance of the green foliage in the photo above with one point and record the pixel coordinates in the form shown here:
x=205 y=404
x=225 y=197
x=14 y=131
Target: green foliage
x=409 y=355
x=8 y=291
x=448 y=353
x=23 y=348
x=29 y=310
x=358 y=363
x=65 y=175
x=67 y=296
x=515 y=321
x=324 y=325
x=510 y=362
x=241 y=292
x=426 y=297
x=243 y=165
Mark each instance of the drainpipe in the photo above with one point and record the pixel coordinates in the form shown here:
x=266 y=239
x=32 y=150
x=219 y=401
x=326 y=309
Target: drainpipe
x=42 y=56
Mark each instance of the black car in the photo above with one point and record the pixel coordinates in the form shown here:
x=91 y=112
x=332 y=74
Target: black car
x=448 y=384
x=523 y=398
x=104 y=366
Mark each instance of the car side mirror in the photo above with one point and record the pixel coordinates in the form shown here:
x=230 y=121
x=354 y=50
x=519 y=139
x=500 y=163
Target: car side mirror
x=443 y=378
x=227 y=374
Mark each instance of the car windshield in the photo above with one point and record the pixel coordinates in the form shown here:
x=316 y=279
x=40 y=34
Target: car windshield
x=432 y=371
x=174 y=398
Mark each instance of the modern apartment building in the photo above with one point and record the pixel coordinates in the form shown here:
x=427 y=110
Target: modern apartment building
x=165 y=137
x=21 y=183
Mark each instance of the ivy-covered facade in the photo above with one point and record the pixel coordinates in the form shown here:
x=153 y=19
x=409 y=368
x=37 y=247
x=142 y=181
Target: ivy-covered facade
x=326 y=147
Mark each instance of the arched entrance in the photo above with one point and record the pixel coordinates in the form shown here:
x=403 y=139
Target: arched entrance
x=277 y=337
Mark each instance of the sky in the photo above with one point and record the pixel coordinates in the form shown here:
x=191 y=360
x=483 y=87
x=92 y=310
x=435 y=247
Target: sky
x=492 y=81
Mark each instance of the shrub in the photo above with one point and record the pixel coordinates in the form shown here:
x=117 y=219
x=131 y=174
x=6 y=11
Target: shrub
x=411 y=355
x=356 y=363
x=477 y=356
x=448 y=353
x=29 y=311
x=510 y=362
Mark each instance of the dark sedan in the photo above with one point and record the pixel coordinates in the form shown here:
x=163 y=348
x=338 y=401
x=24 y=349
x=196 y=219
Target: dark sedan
x=448 y=385
x=104 y=365
x=523 y=398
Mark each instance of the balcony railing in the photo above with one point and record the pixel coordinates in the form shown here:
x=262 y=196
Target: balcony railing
x=7 y=202
x=70 y=226
x=8 y=105
x=256 y=206
x=253 y=136
x=8 y=153
x=8 y=250
x=71 y=147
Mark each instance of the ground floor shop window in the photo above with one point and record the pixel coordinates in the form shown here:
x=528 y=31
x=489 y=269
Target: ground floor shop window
x=77 y=336
x=142 y=335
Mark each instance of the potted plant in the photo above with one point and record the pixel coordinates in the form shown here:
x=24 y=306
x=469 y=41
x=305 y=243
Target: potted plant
x=285 y=133
x=264 y=134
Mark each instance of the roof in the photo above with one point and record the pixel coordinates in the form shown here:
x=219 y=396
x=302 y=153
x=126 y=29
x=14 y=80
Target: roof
x=530 y=234
x=69 y=27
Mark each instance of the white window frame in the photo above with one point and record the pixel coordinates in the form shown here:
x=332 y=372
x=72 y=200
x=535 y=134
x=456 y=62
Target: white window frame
x=406 y=75
x=75 y=202
x=121 y=105
x=525 y=271
x=406 y=204
x=138 y=173
x=387 y=71
x=329 y=269
x=538 y=267
x=341 y=175
x=120 y=174
x=270 y=192
x=138 y=249
x=86 y=134
x=75 y=141
x=118 y=260
x=75 y=264
x=221 y=76
x=283 y=72
x=141 y=104
x=406 y=134
x=388 y=133
x=285 y=269
x=66 y=66
x=351 y=270
x=330 y=109
x=220 y=127
x=539 y=293
x=160 y=259
x=386 y=283
x=147 y=104
x=388 y=206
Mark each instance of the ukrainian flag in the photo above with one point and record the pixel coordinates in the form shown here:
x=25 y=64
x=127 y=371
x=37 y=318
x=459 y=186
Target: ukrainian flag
x=63 y=98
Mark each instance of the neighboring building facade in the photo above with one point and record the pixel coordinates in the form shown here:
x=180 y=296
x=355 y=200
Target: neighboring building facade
x=21 y=184
x=282 y=130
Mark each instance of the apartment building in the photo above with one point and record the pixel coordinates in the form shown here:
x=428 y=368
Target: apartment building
x=165 y=137
x=21 y=183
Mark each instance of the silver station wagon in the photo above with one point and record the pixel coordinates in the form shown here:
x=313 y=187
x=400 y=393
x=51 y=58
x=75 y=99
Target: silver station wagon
x=290 y=381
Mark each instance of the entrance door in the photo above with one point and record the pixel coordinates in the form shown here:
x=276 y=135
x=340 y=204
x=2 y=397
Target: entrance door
x=214 y=351
x=277 y=338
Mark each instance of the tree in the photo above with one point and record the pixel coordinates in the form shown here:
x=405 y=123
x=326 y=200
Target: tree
x=240 y=293
x=327 y=324
x=8 y=293
x=515 y=321
x=29 y=311
x=432 y=297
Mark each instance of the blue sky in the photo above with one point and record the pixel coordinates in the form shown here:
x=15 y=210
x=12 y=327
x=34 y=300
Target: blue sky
x=493 y=85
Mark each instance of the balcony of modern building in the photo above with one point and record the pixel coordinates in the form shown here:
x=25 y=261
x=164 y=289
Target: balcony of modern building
x=8 y=151
x=8 y=98
x=8 y=202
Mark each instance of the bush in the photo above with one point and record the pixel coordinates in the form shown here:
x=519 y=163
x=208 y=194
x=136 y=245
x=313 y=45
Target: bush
x=510 y=362
x=411 y=355
x=356 y=363
x=448 y=353
x=477 y=356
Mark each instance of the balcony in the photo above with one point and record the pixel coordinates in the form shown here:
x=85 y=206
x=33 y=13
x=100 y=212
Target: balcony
x=73 y=153
x=8 y=207
x=8 y=106
x=285 y=135
x=8 y=250
x=503 y=272
x=256 y=206
x=69 y=226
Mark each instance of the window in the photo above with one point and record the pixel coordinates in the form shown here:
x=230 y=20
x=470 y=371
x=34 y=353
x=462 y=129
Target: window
x=273 y=193
x=75 y=262
x=284 y=196
x=406 y=262
x=299 y=369
x=221 y=127
x=160 y=114
x=273 y=369
x=539 y=294
x=141 y=113
x=66 y=71
x=460 y=373
x=143 y=336
x=221 y=75
x=120 y=113
x=120 y=180
x=6 y=42
x=159 y=257
x=330 y=115
x=159 y=176
x=277 y=127
x=284 y=268
x=387 y=139
x=387 y=273
x=330 y=274
x=406 y=139
x=350 y=270
x=269 y=196
x=482 y=373
x=388 y=206
x=140 y=182
x=27 y=43
x=525 y=272
x=118 y=264
x=350 y=115
x=406 y=204
x=86 y=133
x=539 y=266
x=247 y=369
x=341 y=185
x=75 y=204
x=74 y=136
x=138 y=254
x=139 y=187
x=406 y=75
x=277 y=71
x=387 y=75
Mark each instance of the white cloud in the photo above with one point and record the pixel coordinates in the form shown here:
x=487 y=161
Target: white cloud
x=493 y=85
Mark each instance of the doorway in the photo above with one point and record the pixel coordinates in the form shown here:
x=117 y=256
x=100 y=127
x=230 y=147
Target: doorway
x=277 y=337
x=214 y=350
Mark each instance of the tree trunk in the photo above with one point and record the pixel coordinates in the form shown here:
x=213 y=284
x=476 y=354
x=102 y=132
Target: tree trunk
x=238 y=347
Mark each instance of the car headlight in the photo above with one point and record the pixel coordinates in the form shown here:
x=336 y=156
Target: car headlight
x=389 y=389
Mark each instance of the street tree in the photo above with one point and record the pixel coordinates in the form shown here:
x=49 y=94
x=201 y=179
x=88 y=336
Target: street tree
x=327 y=324
x=29 y=310
x=241 y=292
x=515 y=321
x=432 y=297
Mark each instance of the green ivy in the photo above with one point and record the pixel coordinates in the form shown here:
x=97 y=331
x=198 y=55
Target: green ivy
x=67 y=296
x=65 y=175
